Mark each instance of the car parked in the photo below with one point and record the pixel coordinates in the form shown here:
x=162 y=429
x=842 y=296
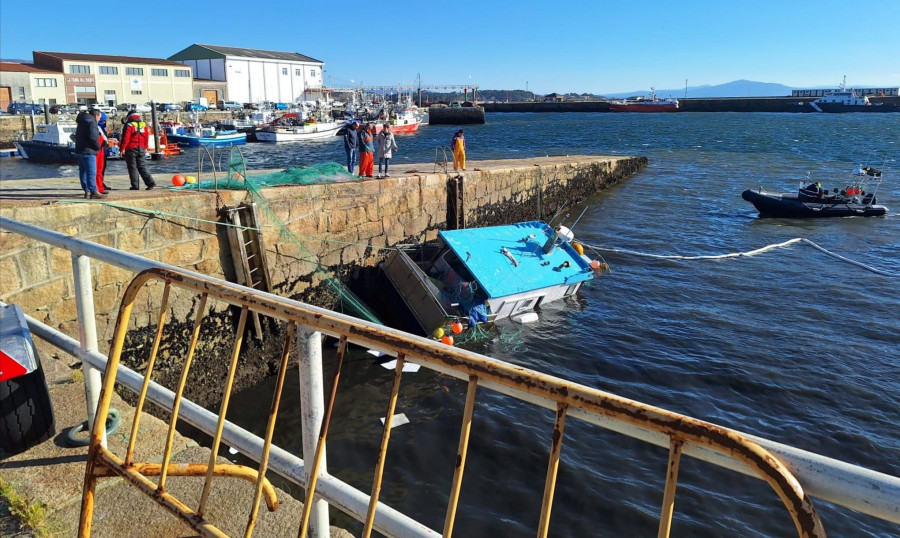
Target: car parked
x=106 y=109
x=168 y=107
x=229 y=105
x=188 y=107
x=25 y=108
x=64 y=109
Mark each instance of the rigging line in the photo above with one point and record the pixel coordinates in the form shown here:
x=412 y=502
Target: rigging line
x=158 y=213
x=748 y=254
x=707 y=257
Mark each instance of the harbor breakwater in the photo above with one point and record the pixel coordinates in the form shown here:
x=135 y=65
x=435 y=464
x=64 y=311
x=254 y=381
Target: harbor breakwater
x=312 y=233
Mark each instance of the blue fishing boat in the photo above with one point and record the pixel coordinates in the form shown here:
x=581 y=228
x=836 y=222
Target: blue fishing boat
x=485 y=274
x=190 y=136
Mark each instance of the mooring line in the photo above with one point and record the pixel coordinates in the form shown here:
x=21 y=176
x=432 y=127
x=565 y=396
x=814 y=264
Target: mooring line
x=748 y=253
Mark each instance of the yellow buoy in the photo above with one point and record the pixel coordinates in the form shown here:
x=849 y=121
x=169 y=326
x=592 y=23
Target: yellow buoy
x=578 y=248
x=438 y=333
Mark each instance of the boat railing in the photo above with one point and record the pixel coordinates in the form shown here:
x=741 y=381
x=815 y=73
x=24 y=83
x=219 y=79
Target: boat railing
x=794 y=475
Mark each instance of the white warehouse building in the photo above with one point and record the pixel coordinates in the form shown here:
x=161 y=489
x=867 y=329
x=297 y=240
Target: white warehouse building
x=254 y=76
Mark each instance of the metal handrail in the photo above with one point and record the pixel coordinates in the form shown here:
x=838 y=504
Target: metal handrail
x=870 y=492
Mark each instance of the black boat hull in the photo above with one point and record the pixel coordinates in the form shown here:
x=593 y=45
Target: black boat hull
x=788 y=206
x=43 y=152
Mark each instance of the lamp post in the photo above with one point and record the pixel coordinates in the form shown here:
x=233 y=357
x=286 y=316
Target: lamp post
x=685 y=88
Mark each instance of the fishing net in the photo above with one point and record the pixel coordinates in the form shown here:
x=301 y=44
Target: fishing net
x=342 y=298
x=236 y=178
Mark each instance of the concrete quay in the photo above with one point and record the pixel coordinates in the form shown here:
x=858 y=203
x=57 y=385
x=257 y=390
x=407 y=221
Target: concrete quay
x=52 y=474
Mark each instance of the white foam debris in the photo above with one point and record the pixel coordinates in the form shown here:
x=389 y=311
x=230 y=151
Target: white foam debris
x=407 y=366
x=232 y=450
x=376 y=353
x=397 y=420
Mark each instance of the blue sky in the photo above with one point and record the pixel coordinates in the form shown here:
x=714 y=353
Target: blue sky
x=592 y=46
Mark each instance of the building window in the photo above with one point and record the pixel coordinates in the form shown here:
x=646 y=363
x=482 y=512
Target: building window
x=45 y=82
x=284 y=70
x=22 y=93
x=297 y=72
x=159 y=72
x=85 y=89
x=134 y=71
x=80 y=69
x=110 y=94
x=182 y=72
x=136 y=92
x=109 y=70
x=312 y=73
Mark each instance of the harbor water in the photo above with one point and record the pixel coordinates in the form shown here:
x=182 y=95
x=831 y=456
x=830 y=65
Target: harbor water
x=792 y=344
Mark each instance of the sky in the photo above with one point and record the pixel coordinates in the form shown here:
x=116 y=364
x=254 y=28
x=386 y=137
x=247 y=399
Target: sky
x=596 y=47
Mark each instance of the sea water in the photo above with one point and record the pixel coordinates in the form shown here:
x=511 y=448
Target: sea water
x=792 y=344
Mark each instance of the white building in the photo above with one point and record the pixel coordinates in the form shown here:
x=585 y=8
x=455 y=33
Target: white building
x=253 y=76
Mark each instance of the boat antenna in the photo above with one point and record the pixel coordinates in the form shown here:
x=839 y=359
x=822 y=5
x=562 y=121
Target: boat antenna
x=558 y=212
x=572 y=227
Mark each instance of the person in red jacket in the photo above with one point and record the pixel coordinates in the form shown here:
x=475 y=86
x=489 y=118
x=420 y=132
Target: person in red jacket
x=135 y=138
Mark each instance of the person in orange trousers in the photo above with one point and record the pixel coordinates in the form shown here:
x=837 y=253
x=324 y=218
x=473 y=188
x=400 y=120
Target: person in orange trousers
x=367 y=151
x=458 y=147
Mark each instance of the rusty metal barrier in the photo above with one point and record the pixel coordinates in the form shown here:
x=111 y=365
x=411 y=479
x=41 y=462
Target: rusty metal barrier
x=481 y=371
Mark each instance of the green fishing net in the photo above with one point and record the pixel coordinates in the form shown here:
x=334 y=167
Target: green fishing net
x=237 y=179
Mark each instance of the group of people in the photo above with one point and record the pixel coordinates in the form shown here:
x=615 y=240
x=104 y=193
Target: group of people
x=361 y=143
x=91 y=141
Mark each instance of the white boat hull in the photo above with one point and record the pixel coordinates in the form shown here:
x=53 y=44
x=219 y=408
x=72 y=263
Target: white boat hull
x=293 y=134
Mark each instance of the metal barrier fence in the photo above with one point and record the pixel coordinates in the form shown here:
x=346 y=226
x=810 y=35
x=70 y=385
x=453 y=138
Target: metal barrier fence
x=861 y=489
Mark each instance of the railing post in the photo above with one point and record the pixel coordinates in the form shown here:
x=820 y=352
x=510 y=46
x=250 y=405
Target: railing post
x=87 y=335
x=312 y=405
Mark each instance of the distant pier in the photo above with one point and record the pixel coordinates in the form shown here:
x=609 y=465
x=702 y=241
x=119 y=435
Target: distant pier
x=717 y=104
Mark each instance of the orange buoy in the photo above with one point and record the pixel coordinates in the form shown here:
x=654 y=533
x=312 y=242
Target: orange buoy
x=456 y=327
x=178 y=180
x=447 y=339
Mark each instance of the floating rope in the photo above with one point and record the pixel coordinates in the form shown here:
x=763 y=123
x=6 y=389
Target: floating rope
x=748 y=253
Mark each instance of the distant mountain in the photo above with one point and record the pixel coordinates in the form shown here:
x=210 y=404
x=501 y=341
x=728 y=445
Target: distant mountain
x=737 y=88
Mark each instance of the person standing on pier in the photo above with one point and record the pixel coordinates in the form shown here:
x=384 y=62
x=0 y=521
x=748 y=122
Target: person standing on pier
x=367 y=151
x=351 y=145
x=101 y=154
x=458 y=147
x=135 y=139
x=87 y=144
x=386 y=143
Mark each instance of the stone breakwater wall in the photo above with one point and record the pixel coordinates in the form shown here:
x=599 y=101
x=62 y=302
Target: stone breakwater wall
x=334 y=229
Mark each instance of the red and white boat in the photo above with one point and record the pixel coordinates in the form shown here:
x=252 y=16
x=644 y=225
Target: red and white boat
x=645 y=104
x=405 y=120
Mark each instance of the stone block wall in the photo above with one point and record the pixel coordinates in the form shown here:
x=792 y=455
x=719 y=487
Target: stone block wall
x=310 y=232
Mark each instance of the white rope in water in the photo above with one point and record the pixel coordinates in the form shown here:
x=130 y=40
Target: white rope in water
x=748 y=253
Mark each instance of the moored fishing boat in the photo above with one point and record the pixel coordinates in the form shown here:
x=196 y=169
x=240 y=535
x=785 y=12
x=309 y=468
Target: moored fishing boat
x=645 y=104
x=292 y=127
x=51 y=143
x=812 y=201
x=191 y=136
